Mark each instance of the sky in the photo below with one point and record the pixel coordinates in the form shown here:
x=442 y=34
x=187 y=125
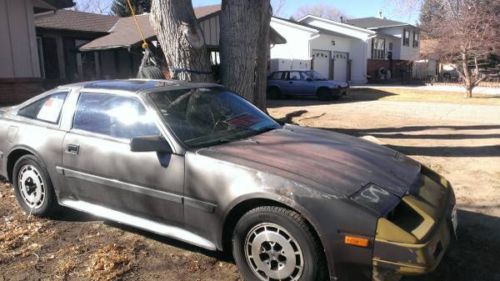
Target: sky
x=352 y=8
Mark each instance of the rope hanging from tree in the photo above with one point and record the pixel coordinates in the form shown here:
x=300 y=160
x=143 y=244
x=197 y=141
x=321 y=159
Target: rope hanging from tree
x=149 y=67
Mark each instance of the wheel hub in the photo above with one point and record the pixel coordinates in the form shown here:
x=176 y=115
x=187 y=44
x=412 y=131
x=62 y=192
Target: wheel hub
x=273 y=254
x=31 y=186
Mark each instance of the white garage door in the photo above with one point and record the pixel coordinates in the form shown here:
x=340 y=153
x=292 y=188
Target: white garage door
x=340 y=60
x=321 y=62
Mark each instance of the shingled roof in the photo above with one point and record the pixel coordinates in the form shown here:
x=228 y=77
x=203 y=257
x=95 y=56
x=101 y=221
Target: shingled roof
x=124 y=33
x=374 y=23
x=75 y=21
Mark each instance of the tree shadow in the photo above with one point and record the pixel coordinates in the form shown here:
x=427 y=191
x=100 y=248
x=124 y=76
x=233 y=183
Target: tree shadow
x=474 y=256
x=445 y=151
x=355 y=95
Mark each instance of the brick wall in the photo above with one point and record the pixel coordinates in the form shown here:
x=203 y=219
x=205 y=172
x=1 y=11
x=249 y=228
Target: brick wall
x=17 y=90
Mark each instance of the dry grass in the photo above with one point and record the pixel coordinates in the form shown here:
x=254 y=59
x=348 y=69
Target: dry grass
x=418 y=95
x=111 y=262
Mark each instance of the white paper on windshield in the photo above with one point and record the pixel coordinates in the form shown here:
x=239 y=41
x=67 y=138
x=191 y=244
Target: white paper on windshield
x=50 y=110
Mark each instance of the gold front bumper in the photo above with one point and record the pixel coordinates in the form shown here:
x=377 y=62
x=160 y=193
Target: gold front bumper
x=415 y=242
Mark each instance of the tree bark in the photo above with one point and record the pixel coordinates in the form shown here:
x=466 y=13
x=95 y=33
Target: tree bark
x=261 y=70
x=181 y=40
x=469 y=85
x=242 y=60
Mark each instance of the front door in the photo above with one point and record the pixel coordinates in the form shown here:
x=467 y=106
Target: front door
x=101 y=170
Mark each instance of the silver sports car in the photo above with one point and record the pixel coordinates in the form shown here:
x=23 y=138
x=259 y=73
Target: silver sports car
x=201 y=164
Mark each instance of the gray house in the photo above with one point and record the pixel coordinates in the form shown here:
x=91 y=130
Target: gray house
x=20 y=75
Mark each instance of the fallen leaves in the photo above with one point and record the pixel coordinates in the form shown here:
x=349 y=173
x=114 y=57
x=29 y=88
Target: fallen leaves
x=111 y=262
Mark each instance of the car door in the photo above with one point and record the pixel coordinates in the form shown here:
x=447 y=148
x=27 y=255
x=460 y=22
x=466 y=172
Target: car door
x=100 y=168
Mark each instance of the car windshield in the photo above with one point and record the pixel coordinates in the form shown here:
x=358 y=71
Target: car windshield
x=313 y=75
x=203 y=117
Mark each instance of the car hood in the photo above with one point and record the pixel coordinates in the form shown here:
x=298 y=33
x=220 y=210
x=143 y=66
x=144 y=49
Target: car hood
x=333 y=163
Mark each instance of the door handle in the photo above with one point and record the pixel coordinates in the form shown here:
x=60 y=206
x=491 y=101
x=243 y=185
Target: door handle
x=73 y=149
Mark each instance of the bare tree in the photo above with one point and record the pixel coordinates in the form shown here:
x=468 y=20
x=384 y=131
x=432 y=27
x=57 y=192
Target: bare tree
x=181 y=40
x=320 y=10
x=466 y=31
x=92 y=6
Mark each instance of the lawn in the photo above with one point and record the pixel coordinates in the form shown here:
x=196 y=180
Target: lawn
x=419 y=95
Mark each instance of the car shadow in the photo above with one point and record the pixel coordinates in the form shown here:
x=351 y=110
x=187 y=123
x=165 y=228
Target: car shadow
x=474 y=255
x=172 y=242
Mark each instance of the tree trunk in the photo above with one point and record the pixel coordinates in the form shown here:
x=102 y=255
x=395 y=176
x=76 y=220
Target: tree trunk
x=469 y=85
x=241 y=24
x=261 y=71
x=181 y=40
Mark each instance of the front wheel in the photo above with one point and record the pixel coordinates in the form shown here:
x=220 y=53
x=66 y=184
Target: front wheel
x=273 y=243
x=33 y=187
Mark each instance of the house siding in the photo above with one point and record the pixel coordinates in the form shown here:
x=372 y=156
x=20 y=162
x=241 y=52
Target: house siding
x=18 y=48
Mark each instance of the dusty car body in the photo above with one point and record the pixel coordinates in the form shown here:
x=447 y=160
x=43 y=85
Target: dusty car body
x=292 y=83
x=376 y=213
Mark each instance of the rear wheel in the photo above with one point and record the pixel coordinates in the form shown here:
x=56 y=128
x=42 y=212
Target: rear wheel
x=274 y=93
x=273 y=243
x=33 y=187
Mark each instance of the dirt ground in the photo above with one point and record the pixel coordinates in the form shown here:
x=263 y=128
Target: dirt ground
x=462 y=142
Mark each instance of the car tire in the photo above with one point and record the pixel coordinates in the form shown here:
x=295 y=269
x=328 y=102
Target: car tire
x=33 y=187
x=274 y=93
x=290 y=247
x=324 y=94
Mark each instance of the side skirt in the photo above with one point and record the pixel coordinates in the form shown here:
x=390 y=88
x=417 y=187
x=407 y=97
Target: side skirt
x=144 y=224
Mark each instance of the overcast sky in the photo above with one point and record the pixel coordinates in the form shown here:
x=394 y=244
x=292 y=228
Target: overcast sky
x=352 y=8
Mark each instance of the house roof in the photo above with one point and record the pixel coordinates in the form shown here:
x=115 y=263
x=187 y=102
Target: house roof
x=317 y=29
x=47 y=5
x=374 y=23
x=75 y=21
x=124 y=33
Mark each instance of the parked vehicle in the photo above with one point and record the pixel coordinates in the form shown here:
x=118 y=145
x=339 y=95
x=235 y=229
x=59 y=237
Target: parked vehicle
x=202 y=165
x=292 y=83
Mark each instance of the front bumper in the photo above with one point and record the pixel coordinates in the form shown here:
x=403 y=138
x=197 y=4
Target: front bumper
x=432 y=234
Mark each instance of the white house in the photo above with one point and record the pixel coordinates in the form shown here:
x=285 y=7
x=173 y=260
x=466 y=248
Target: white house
x=353 y=51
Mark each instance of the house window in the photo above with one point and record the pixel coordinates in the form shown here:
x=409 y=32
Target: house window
x=406 y=37
x=416 y=39
x=378 y=48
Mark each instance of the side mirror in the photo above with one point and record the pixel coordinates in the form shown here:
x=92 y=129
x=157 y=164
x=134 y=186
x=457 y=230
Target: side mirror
x=150 y=144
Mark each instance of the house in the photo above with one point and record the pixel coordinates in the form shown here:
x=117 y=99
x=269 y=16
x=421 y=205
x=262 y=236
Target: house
x=120 y=50
x=355 y=50
x=20 y=75
x=59 y=35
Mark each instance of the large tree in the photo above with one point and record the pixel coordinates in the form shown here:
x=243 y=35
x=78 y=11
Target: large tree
x=466 y=32
x=244 y=35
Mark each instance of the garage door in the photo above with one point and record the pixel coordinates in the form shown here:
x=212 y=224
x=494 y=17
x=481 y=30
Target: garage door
x=340 y=60
x=321 y=62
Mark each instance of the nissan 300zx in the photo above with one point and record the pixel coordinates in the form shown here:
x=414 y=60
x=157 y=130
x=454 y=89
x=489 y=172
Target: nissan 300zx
x=202 y=165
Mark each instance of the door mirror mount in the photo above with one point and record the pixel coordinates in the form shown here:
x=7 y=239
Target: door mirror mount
x=150 y=144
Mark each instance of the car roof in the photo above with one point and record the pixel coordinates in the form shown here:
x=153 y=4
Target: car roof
x=139 y=85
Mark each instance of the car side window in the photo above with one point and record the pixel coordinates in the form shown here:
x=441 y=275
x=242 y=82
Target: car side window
x=113 y=115
x=294 y=75
x=47 y=109
x=277 y=76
